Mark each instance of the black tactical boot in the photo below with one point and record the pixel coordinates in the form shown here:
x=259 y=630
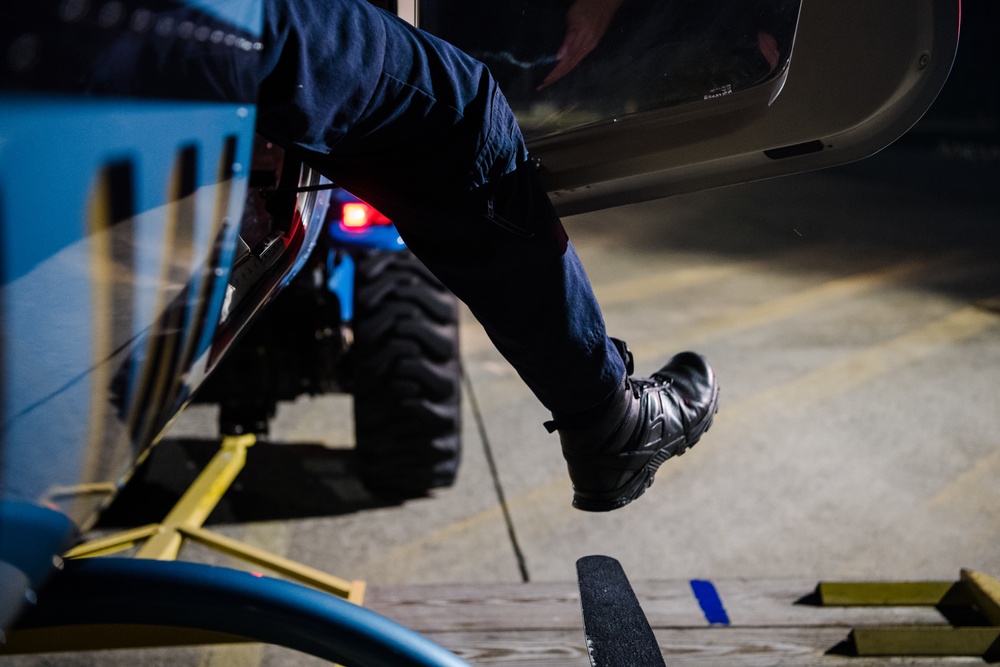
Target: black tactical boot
x=612 y=462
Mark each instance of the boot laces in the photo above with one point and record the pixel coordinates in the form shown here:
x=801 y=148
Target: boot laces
x=640 y=385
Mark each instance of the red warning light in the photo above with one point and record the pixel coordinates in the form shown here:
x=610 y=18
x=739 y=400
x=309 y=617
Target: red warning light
x=358 y=216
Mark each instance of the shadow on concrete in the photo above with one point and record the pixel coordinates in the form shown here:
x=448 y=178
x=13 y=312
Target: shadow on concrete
x=280 y=481
x=910 y=202
x=910 y=198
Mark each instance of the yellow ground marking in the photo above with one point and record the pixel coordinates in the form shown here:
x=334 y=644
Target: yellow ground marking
x=650 y=285
x=802 y=393
x=661 y=282
x=824 y=383
x=980 y=476
x=758 y=316
x=794 y=304
x=624 y=291
x=540 y=494
x=841 y=376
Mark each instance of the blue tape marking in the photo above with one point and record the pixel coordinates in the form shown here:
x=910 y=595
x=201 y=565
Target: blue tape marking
x=710 y=602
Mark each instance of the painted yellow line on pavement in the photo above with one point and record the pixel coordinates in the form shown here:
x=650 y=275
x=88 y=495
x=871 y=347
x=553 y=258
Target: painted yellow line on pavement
x=789 y=306
x=455 y=530
x=757 y=316
x=637 y=289
x=842 y=376
x=981 y=476
x=661 y=282
x=800 y=394
x=640 y=289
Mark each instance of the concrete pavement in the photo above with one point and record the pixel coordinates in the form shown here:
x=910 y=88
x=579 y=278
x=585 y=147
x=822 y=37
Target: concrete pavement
x=853 y=317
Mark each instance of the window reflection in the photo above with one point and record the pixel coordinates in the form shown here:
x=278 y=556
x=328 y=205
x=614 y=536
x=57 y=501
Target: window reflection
x=563 y=64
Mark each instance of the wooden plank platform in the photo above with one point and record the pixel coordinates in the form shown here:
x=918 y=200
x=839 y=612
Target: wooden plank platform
x=540 y=624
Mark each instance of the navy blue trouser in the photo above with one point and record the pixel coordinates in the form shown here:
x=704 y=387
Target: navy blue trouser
x=421 y=131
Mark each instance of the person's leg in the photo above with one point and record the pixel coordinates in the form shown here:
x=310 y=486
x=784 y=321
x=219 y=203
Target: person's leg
x=436 y=148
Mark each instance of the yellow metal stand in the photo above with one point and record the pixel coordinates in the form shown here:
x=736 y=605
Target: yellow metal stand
x=975 y=593
x=163 y=541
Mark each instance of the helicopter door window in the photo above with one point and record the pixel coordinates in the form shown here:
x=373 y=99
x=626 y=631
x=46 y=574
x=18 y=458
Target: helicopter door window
x=566 y=64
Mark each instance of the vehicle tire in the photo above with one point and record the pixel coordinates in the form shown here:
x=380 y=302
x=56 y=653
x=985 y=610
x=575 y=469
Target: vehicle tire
x=406 y=376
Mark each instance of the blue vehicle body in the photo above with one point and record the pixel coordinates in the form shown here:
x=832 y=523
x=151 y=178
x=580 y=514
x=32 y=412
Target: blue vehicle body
x=74 y=324
x=341 y=267
x=125 y=280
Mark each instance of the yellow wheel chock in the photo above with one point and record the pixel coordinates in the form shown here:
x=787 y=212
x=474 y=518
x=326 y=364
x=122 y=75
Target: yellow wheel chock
x=975 y=597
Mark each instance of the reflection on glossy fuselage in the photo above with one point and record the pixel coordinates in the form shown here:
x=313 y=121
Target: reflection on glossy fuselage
x=648 y=56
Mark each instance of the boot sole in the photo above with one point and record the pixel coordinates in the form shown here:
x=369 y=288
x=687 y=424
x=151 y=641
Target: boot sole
x=643 y=479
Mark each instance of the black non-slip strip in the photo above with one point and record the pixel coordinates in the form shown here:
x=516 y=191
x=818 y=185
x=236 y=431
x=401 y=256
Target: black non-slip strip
x=617 y=632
